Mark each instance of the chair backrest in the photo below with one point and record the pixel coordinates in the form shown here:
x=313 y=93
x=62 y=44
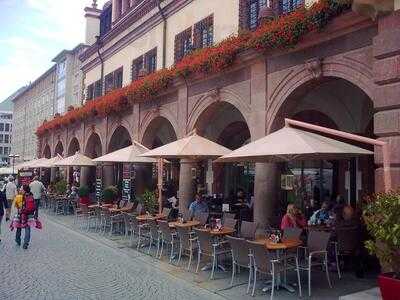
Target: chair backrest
x=184 y=236
x=153 y=228
x=139 y=209
x=122 y=203
x=165 y=230
x=205 y=241
x=202 y=218
x=186 y=215
x=166 y=211
x=240 y=250
x=290 y=233
x=248 y=230
x=261 y=256
x=227 y=216
x=134 y=222
x=318 y=240
x=230 y=223
x=348 y=239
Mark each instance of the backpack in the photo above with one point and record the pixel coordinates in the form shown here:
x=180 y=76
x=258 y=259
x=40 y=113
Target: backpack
x=30 y=205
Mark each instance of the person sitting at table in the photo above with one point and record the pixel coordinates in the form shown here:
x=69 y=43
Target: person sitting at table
x=321 y=216
x=293 y=218
x=198 y=206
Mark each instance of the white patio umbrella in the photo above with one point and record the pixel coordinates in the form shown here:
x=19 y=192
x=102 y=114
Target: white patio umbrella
x=289 y=144
x=191 y=147
x=36 y=163
x=48 y=162
x=77 y=160
x=130 y=154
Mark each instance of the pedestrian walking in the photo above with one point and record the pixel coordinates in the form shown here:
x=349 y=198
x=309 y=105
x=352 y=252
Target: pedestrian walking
x=26 y=208
x=37 y=189
x=3 y=206
x=11 y=192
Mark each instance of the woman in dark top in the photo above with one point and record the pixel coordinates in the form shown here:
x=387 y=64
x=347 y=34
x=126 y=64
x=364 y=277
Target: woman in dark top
x=3 y=206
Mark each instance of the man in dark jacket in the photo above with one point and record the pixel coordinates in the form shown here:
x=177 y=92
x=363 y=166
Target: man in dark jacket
x=3 y=206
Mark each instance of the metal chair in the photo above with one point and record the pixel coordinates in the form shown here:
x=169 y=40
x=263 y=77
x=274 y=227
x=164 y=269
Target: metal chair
x=82 y=213
x=187 y=242
x=166 y=211
x=227 y=216
x=240 y=257
x=317 y=243
x=248 y=230
x=264 y=262
x=140 y=228
x=348 y=241
x=155 y=235
x=167 y=237
x=208 y=247
x=230 y=223
x=290 y=233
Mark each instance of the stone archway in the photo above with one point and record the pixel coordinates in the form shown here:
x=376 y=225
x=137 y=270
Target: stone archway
x=119 y=139
x=73 y=146
x=93 y=146
x=59 y=149
x=339 y=104
x=223 y=123
x=46 y=152
x=158 y=132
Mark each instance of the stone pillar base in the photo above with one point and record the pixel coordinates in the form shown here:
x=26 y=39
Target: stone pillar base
x=186 y=191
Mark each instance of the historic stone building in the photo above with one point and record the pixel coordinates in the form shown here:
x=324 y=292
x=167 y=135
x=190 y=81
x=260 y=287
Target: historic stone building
x=345 y=77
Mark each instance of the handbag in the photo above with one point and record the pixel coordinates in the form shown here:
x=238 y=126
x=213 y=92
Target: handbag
x=38 y=224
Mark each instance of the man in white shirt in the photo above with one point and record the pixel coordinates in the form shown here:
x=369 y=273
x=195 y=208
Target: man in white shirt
x=11 y=192
x=37 y=189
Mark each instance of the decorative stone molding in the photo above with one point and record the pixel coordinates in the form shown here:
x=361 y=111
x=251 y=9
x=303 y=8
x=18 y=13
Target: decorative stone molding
x=215 y=94
x=314 y=66
x=373 y=8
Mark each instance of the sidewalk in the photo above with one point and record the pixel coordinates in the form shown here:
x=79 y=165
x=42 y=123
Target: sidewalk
x=349 y=284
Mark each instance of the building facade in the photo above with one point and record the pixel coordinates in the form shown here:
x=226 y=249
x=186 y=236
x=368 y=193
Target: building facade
x=31 y=107
x=5 y=136
x=344 y=77
x=69 y=80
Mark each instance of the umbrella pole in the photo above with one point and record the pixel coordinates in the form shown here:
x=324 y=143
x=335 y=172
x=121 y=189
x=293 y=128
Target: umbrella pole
x=387 y=179
x=159 y=183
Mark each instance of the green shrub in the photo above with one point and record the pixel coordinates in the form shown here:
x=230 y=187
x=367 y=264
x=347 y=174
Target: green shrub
x=83 y=191
x=61 y=187
x=382 y=217
x=110 y=193
x=149 y=201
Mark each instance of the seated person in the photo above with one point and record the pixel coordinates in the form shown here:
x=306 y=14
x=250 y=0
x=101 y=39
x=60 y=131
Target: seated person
x=293 y=218
x=321 y=216
x=198 y=206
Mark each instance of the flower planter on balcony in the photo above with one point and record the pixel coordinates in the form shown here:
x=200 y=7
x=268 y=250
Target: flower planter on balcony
x=390 y=286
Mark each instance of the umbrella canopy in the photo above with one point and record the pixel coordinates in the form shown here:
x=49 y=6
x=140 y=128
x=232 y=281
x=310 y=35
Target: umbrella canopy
x=191 y=147
x=35 y=163
x=128 y=154
x=7 y=170
x=78 y=160
x=28 y=164
x=289 y=144
x=48 y=162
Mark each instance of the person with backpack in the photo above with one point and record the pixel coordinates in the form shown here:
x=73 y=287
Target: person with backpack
x=26 y=206
x=3 y=206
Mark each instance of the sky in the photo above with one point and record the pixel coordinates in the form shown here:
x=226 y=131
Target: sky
x=32 y=33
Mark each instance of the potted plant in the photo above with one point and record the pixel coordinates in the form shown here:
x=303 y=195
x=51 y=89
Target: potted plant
x=382 y=217
x=61 y=187
x=83 y=193
x=110 y=194
x=149 y=201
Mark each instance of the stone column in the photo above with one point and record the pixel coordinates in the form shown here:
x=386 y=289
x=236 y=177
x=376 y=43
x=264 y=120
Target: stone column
x=84 y=175
x=108 y=175
x=186 y=191
x=265 y=193
x=386 y=71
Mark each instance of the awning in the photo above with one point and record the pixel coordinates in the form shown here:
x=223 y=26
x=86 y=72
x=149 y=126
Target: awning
x=289 y=144
x=128 y=154
x=78 y=160
x=191 y=147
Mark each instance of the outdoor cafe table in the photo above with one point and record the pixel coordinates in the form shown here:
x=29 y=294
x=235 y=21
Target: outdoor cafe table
x=282 y=246
x=188 y=224
x=118 y=210
x=219 y=232
x=147 y=217
x=100 y=206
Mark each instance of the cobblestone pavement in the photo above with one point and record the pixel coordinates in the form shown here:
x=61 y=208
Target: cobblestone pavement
x=63 y=264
